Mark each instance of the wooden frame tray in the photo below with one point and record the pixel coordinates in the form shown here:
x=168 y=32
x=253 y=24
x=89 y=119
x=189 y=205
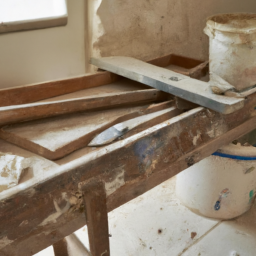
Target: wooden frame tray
x=60 y=118
x=83 y=93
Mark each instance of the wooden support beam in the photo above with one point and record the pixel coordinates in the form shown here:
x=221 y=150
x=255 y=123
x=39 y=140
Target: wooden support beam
x=97 y=217
x=61 y=248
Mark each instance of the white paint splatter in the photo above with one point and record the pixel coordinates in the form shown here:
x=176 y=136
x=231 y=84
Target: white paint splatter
x=23 y=223
x=116 y=183
x=53 y=217
x=4 y=242
x=31 y=192
x=12 y=168
x=211 y=133
x=195 y=139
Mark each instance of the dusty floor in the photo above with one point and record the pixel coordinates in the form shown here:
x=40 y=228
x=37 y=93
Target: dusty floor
x=157 y=224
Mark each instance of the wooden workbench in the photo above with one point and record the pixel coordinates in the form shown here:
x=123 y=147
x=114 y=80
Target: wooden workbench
x=49 y=203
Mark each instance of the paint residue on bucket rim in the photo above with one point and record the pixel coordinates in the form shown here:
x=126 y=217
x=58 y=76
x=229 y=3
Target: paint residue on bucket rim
x=234 y=22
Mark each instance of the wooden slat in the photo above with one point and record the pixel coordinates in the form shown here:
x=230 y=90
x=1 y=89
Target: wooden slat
x=76 y=131
x=190 y=89
x=36 y=92
x=97 y=217
x=138 y=163
x=32 y=111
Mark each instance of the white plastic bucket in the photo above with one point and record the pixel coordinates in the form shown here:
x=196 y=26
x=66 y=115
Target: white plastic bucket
x=233 y=48
x=221 y=186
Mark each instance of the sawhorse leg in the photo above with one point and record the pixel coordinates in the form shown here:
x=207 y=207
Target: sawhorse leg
x=97 y=218
x=60 y=248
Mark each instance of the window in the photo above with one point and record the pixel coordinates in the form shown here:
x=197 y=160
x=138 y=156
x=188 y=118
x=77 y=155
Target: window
x=17 y=15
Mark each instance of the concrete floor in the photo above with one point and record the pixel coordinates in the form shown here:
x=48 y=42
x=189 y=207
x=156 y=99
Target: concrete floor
x=156 y=224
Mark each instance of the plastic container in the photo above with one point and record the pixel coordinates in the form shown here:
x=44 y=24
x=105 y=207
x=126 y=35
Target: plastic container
x=221 y=186
x=233 y=48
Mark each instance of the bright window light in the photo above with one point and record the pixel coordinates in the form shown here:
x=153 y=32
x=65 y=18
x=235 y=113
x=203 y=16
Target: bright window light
x=13 y=13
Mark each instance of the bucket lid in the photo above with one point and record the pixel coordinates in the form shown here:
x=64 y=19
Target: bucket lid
x=233 y=22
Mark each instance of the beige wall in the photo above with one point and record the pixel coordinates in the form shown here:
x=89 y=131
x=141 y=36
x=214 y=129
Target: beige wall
x=140 y=28
x=45 y=54
x=149 y=28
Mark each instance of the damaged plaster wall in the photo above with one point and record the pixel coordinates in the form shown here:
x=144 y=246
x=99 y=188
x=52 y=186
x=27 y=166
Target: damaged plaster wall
x=147 y=28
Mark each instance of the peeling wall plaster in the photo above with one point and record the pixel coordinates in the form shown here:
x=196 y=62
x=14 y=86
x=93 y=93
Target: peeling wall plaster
x=146 y=28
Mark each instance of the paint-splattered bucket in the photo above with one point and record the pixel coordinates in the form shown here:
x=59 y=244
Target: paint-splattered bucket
x=233 y=48
x=223 y=185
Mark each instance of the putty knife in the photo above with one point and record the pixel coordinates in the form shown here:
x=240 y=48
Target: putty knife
x=120 y=129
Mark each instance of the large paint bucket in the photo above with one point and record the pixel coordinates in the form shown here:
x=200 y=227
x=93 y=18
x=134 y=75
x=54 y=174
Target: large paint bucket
x=221 y=186
x=233 y=48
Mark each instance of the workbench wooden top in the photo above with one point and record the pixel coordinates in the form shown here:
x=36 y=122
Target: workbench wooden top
x=47 y=205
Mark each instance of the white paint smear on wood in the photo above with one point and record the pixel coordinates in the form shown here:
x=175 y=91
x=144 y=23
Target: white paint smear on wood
x=195 y=139
x=4 y=242
x=116 y=183
x=53 y=217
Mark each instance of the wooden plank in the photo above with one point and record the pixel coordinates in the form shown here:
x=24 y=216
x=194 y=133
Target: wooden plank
x=33 y=111
x=54 y=138
x=97 y=217
x=121 y=85
x=184 y=104
x=190 y=89
x=53 y=202
x=183 y=65
x=35 y=92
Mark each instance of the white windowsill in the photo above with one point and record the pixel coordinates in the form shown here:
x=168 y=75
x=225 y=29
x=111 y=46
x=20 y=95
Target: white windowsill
x=19 y=15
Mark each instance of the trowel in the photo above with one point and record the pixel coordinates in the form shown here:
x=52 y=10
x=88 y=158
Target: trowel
x=118 y=130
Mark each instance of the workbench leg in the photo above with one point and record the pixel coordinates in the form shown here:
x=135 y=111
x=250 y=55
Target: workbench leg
x=60 y=248
x=97 y=218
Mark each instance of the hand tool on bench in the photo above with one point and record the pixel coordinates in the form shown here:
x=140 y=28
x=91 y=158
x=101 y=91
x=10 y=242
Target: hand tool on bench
x=118 y=130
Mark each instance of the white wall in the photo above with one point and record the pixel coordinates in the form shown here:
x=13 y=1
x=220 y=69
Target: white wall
x=46 y=54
